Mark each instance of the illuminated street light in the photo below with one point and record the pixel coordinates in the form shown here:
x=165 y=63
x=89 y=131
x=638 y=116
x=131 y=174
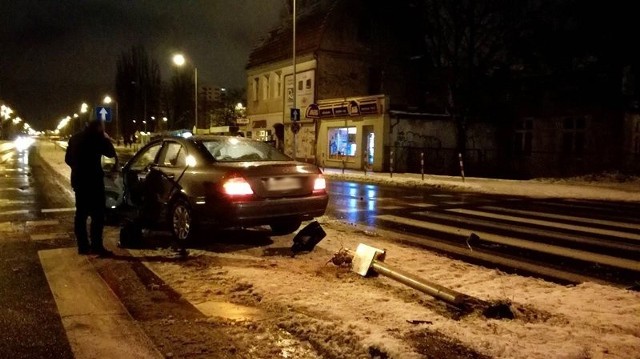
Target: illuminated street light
x=17 y=120
x=239 y=106
x=107 y=99
x=84 y=107
x=165 y=119
x=180 y=60
x=75 y=115
x=5 y=111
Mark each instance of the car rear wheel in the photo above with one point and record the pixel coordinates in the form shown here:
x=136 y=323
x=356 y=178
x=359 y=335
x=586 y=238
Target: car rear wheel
x=182 y=226
x=285 y=227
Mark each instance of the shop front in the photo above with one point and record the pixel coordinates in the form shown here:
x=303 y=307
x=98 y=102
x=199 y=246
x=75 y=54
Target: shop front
x=352 y=132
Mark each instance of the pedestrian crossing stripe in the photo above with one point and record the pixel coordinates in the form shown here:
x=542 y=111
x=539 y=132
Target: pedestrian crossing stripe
x=567 y=218
x=519 y=243
x=48 y=236
x=55 y=210
x=544 y=223
x=52 y=222
x=534 y=231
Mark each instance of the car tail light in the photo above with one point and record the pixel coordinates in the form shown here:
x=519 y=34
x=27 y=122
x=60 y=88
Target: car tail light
x=320 y=184
x=237 y=186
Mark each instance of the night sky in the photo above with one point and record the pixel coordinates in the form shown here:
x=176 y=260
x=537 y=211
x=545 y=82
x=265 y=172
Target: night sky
x=54 y=54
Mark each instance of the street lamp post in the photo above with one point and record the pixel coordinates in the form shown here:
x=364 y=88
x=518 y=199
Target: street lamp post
x=180 y=60
x=294 y=74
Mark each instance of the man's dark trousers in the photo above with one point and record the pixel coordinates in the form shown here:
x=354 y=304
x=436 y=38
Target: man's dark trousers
x=90 y=202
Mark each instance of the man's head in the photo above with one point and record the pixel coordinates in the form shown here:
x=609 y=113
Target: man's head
x=96 y=126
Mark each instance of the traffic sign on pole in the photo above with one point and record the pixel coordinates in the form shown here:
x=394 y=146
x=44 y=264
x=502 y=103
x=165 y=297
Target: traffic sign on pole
x=103 y=114
x=295 y=114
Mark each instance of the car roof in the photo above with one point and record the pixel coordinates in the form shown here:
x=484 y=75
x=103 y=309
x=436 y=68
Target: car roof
x=199 y=137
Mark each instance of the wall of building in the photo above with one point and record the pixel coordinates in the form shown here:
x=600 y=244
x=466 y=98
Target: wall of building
x=435 y=139
x=341 y=76
x=269 y=106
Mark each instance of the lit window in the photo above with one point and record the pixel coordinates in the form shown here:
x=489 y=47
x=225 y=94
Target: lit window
x=342 y=142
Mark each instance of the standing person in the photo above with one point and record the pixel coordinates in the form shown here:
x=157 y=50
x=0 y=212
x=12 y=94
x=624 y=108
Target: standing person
x=87 y=179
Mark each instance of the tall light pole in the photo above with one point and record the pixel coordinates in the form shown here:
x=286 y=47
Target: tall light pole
x=295 y=85
x=107 y=100
x=180 y=60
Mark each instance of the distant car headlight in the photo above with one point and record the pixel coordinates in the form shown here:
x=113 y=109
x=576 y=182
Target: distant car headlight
x=23 y=143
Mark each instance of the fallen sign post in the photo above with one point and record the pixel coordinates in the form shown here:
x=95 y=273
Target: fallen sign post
x=367 y=259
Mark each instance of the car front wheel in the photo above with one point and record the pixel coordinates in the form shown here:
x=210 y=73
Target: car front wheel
x=285 y=227
x=182 y=226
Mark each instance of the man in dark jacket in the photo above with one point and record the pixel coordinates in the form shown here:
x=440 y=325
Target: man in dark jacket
x=84 y=155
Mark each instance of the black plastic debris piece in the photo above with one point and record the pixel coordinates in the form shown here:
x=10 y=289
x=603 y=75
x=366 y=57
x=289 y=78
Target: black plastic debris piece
x=307 y=238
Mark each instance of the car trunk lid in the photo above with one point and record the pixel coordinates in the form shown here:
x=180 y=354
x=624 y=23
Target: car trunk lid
x=271 y=179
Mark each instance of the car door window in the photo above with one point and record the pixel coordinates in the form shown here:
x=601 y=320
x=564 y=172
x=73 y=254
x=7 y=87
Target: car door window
x=144 y=159
x=174 y=155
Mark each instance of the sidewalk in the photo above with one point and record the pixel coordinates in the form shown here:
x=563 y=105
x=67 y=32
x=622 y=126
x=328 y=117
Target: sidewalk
x=543 y=188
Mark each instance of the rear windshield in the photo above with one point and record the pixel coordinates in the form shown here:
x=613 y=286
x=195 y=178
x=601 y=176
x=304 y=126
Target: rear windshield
x=242 y=150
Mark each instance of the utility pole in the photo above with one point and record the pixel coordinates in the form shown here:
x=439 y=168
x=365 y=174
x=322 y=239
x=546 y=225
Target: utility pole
x=294 y=76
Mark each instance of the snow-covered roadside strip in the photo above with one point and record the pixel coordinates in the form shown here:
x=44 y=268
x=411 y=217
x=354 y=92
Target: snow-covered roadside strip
x=608 y=191
x=306 y=294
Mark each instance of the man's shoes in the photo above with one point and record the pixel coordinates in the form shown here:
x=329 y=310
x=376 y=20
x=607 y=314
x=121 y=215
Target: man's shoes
x=103 y=252
x=84 y=251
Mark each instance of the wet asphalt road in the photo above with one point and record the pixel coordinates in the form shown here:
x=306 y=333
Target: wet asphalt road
x=30 y=326
x=593 y=239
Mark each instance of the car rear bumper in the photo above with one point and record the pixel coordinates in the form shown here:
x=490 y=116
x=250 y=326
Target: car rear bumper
x=255 y=213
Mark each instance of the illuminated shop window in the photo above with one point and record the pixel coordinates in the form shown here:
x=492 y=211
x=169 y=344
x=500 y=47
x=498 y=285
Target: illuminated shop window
x=342 y=142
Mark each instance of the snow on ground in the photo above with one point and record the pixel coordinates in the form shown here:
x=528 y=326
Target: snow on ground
x=307 y=294
x=604 y=187
x=346 y=316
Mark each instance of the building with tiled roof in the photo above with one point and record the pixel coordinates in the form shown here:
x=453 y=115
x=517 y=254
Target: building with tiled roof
x=345 y=50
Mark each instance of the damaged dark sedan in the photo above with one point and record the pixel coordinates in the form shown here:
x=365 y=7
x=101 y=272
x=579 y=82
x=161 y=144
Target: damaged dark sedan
x=184 y=184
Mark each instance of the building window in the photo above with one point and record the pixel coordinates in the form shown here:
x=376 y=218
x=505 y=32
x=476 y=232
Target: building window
x=255 y=87
x=308 y=84
x=278 y=83
x=265 y=87
x=300 y=85
x=342 y=142
x=573 y=135
x=523 y=143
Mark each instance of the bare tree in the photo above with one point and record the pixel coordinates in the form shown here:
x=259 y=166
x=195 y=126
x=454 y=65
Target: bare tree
x=181 y=99
x=466 y=41
x=138 y=88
